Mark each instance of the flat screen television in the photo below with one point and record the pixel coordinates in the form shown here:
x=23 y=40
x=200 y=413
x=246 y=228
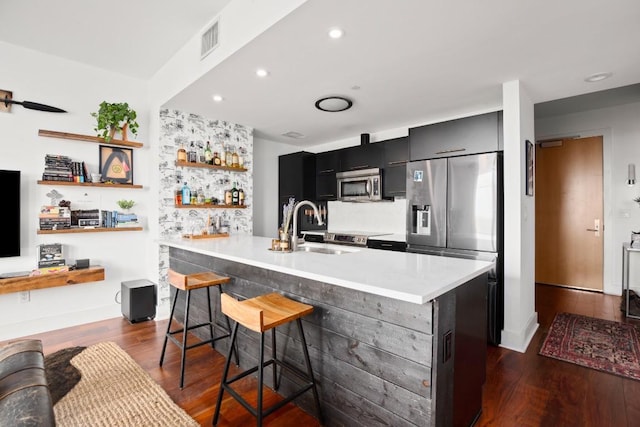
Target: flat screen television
x=10 y=187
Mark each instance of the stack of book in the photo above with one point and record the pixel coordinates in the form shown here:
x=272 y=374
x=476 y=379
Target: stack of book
x=57 y=168
x=114 y=219
x=54 y=218
x=79 y=171
x=50 y=255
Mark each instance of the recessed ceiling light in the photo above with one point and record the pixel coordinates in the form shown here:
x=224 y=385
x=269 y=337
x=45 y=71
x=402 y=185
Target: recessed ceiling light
x=597 y=77
x=217 y=98
x=333 y=104
x=293 y=134
x=261 y=72
x=336 y=33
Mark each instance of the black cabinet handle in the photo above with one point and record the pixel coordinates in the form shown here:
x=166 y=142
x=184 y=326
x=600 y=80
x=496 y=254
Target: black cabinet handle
x=358 y=167
x=327 y=171
x=398 y=162
x=326 y=195
x=386 y=245
x=455 y=150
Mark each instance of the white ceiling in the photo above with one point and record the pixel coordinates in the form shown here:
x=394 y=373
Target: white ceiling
x=131 y=37
x=414 y=61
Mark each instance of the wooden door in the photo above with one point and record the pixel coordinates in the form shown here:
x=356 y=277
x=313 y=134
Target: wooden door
x=569 y=213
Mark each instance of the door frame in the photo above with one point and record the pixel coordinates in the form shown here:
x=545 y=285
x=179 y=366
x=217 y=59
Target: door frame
x=609 y=257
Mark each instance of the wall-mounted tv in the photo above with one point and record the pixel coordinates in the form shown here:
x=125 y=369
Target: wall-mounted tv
x=10 y=217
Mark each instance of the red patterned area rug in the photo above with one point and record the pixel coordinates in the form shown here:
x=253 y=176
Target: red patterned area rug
x=604 y=345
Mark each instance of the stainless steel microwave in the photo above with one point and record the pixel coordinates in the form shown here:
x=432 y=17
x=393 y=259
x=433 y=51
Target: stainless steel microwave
x=363 y=185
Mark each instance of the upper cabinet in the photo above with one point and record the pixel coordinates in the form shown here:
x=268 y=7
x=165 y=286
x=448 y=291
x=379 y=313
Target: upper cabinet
x=296 y=178
x=327 y=164
x=361 y=157
x=396 y=155
x=469 y=135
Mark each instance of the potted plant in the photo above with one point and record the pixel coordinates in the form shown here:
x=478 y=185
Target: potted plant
x=126 y=204
x=115 y=116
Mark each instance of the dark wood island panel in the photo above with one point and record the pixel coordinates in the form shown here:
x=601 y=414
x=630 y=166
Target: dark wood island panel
x=375 y=358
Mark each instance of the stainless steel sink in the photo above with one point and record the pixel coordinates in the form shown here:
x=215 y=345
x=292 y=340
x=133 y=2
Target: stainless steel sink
x=324 y=250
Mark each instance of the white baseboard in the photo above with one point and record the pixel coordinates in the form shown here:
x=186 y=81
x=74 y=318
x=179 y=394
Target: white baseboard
x=519 y=340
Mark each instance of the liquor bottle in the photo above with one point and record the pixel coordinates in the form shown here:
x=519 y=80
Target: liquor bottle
x=235 y=195
x=223 y=157
x=228 y=157
x=200 y=197
x=201 y=155
x=182 y=153
x=186 y=194
x=234 y=160
x=227 y=197
x=216 y=158
x=208 y=157
x=241 y=197
x=193 y=155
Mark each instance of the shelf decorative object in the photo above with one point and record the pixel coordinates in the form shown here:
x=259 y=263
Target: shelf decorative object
x=125 y=204
x=112 y=117
x=116 y=164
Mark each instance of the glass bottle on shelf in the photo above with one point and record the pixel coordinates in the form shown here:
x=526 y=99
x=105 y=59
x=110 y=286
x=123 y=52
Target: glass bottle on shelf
x=234 y=159
x=228 y=157
x=186 y=194
x=208 y=156
x=241 y=197
x=227 y=197
x=200 y=197
x=235 y=195
x=216 y=159
x=223 y=157
x=201 y=155
x=193 y=155
x=178 y=200
x=182 y=153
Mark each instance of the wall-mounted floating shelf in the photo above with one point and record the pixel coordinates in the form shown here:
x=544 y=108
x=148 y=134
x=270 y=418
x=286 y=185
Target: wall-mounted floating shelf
x=29 y=283
x=89 y=230
x=210 y=206
x=90 y=184
x=88 y=138
x=207 y=166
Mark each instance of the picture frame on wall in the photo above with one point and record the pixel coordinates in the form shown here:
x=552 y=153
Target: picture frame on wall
x=116 y=164
x=530 y=168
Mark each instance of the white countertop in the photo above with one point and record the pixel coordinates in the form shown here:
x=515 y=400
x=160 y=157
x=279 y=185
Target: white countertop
x=404 y=276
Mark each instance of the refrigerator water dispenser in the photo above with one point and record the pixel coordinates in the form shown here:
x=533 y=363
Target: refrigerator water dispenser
x=422 y=219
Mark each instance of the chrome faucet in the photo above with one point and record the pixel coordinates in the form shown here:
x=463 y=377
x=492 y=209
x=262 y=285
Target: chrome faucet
x=294 y=237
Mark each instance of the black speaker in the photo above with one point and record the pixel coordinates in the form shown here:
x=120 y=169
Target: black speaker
x=138 y=300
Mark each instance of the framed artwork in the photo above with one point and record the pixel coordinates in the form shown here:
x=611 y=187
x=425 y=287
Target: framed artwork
x=529 y=177
x=116 y=164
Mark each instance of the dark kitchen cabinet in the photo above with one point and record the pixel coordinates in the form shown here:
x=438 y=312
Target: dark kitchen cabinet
x=327 y=164
x=364 y=156
x=387 y=245
x=469 y=135
x=396 y=155
x=296 y=178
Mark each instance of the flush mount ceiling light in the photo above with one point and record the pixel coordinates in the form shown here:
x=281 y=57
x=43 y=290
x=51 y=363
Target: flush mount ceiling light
x=218 y=98
x=597 y=77
x=261 y=72
x=336 y=33
x=333 y=104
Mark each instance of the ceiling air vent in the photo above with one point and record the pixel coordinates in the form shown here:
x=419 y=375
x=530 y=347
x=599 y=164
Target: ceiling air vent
x=209 y=40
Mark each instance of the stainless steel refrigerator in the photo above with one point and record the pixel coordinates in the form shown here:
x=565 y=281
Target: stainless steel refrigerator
x=455 y=209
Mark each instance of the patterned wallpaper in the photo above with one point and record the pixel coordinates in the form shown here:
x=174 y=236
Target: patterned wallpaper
x=178 y=127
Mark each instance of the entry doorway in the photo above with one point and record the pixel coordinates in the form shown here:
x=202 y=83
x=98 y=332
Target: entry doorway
x=569 y=213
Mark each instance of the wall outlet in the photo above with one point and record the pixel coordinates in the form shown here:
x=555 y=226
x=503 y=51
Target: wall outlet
x=25 y=296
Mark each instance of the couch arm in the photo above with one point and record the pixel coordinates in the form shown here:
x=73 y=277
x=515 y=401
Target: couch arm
x=24 y=394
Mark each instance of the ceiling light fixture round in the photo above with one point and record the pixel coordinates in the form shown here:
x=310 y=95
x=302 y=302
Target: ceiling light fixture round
x=261 y=72
x=217 y=98
x=333 y=104
x=336 y=33
x=597 y=77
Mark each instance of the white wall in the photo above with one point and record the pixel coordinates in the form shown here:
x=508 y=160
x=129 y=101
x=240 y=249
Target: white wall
x=520 y=318
x=265 y=185
x=620 y=128
x=78 y=89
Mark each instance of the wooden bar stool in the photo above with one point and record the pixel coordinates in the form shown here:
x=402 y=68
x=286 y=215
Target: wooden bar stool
x=260 y=314
x=187 y=283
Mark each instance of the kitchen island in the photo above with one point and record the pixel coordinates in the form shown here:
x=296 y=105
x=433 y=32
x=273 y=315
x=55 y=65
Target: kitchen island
x=387 y=329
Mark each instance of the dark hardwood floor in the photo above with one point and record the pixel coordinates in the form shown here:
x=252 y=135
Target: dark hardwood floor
x=521 y=389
